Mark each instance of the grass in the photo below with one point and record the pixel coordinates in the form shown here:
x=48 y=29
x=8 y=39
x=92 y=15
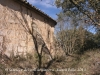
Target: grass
x=89 y=62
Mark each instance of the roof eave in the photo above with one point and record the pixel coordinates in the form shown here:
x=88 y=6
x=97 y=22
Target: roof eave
x=29 y=6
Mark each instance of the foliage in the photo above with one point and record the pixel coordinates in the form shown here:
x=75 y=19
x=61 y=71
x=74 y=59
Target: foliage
x=68 y=40
x=89 y=9
x=74 y=22
x=97 y=38
x=76 y=40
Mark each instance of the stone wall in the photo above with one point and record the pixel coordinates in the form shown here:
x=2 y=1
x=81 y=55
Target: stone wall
x=15 y=20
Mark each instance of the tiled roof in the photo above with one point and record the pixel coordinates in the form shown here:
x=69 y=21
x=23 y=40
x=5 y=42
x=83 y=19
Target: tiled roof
x=36 y=9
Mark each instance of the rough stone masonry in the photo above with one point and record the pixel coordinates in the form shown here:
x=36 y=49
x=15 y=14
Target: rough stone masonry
x=16 y=16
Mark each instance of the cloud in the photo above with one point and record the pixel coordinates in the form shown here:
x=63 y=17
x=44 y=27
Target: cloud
x=46 y=6
x=45 y=3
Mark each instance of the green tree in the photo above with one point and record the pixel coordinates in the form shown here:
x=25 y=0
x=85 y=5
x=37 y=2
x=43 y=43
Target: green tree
x=89 y=9
x=97 y=38
x=76 y=40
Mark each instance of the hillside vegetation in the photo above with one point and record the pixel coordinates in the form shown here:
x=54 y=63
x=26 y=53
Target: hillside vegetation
x=85 y=64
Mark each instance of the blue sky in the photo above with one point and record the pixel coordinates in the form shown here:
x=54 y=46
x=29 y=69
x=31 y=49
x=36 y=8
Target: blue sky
x=46 y=6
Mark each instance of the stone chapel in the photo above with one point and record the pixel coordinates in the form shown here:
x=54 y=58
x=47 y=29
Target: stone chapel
x=17 y=17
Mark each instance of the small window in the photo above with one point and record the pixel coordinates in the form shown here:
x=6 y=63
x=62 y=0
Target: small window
x=48 y=33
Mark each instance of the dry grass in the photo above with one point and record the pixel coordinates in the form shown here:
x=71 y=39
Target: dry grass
x=91 y=62
x=18 y=63
x=88 y=64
